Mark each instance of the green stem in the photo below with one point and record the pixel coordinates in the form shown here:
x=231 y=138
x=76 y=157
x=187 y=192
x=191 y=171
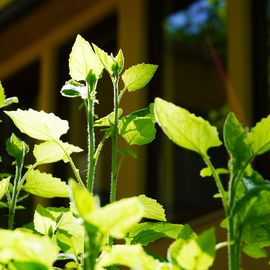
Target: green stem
x=91 y=137
x=114 y=142
x=218 y=183
x=121 y=94
x=15 y=193
x=100 y=145
x=233 y=247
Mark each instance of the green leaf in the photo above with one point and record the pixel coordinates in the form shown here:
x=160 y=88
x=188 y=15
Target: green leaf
x=2 y=95
x=146 y=112
x=28 y=266
x=152 y=209
x=137 y=130
x=107 y=61
x=148 y=232
x=184 y=128
x=107 y=120
x=195 y=253
x=234 y=139
x=4 y=183
x=84 y=201
x=259 y=137
x=39 y=125
x=119 y=58
x=60 y=221
x=23 y=246
x=74 y=89
x=138 y=76
x=16 y=148
x=82 y=60
x=208 y=172
x=44 y=221
x=45 y=185
x=132 y=256
x=118 y=217
x=53 y=151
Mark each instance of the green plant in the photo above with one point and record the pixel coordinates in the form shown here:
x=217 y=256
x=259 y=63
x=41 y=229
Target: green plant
x=81 y=236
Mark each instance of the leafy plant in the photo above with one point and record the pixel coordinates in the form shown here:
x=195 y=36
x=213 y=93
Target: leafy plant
x=82 y=235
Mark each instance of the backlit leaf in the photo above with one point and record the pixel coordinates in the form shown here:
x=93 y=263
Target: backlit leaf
x=45 y=185
x=82 y=60
x=2 y=95
x=195 y=253
x=132 y=256
x=74 y=89
x=23 y=246
x=184 y=128
x=4 y=186
x=39 y=125
x=138 y=76
x=148 y=232
x=259 y=137
x=118 y=217
x=152 y=209
x=53 y=151
x=84 y=201
x=137 y=130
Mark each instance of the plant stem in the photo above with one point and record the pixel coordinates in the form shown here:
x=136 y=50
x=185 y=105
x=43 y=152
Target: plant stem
x=91 y=137
x=233 y=247
x=114 y=141
x=15 y=193
x=100 y=145
x=218 y=183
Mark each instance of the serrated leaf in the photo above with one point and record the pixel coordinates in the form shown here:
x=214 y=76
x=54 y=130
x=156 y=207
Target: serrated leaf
x=4 y=183
x=82 y=60
x=137 y=130
x=138 y=76
x=85 y=203
x=234 y=140
x=132 y=256
x=28 y=266
x=184 y=128
x=106 y=60
x=195 y=253
x=148 y=232
x=145 y=112
x=53 y=151
x=44 y=221
x=23 y=246
x=16 y=148
x=118 y=217
x=45 y=185
x=259 y=137
x=152 y=209
x=74 y=89
x=107 y=120
x=39 y=125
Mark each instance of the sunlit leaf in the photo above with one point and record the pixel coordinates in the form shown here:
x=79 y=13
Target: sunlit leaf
x=74 y=89
x=132 y=256
x=148 y=232
x=184 y=128
x=45 y=185
x=137 y=130
x=118 y=217
x=39 y=125
x=152 y=209
x=195 y=253
x=138 y=76
x=2 y=95
x=4 y=183
x=53 y=151
x=85 y=203
x=82 y=60
x=23 y=246
x=259 y=137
